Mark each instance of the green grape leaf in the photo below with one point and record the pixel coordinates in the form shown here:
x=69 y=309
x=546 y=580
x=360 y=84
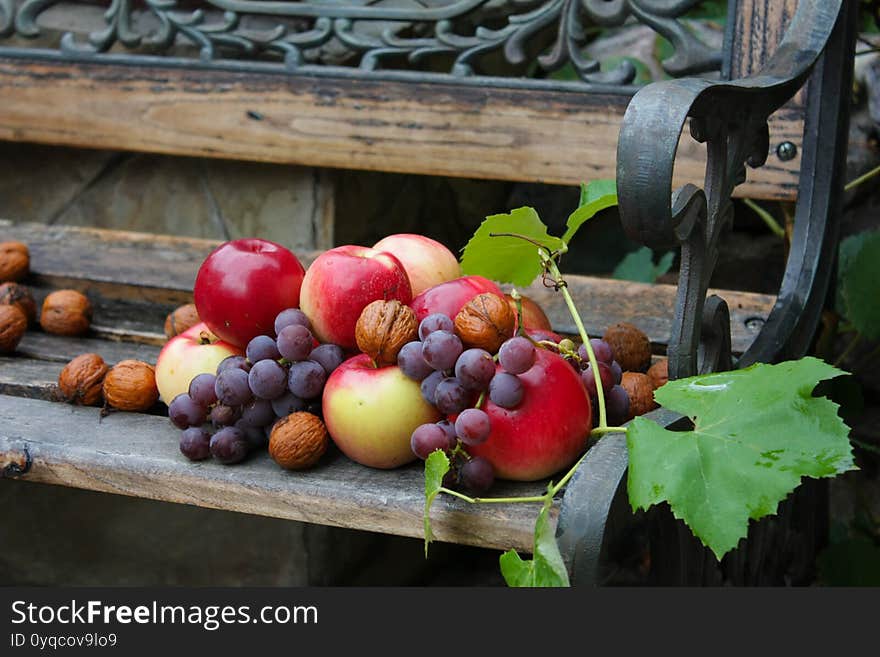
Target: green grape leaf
x=546 y=568
x=595 y=196
x=508 y=259
x=859 y=288
x=756 y=432
x=639 y=266
x=436 y=467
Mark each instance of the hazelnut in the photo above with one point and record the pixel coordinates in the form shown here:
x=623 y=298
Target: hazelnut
x=641 y=392
x=485 y=322
x=630 y=346
x=130 y=385
x=15 y=261
x=66 y=312
x=13 y=324
x=81 y=381
x=298 y=441
x=182 y=318
x=659 y=373
x=14 y=294
x=383 y=328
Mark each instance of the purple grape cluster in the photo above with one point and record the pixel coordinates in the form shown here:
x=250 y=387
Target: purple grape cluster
x=610 y=374
x=455 y=380
x=231 y=412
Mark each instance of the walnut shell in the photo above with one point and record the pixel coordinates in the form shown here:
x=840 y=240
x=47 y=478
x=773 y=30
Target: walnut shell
x=66 y=312
x=659 y=373
x=630 y=346
x=182 y=318
x=641 y=392
x=485 y=322
x=82 y=380
x=15 y=261
x=298 y=441
x=383 y=328
x=130 y=385
x=15 y=294
x=13 y=324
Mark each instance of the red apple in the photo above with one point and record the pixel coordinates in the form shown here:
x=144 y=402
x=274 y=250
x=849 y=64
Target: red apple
x=534 y=316
x=341 y=282
x=243 y=285
x=427 y=262
x=547 y=432
x=371 y=412
x=195 y=351
x=450 y=297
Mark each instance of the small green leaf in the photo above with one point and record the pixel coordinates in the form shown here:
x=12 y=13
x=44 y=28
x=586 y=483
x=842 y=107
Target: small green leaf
x=508 y=259
x=546 y=568
x=436 y=467
x=639 y=266
x=859 y=272
x=595 y=197
x=756 y=432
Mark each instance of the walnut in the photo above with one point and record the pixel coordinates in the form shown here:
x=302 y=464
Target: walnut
x=630 y=346
x=130 y=385
x=81 y=381
x=15 y=294
x=641 y=392
x=182 y=318
x=383 y=328
x=66 y=312
x=15 y=261
x=659 y=373
x=485 y=322
x=298 y=441
x=13 y=324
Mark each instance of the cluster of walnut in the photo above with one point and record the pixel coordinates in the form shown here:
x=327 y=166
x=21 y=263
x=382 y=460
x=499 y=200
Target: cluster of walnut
x=87 y=380
x=632 y=350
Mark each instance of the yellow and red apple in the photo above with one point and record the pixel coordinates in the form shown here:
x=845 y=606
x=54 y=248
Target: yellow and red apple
x=427 y=261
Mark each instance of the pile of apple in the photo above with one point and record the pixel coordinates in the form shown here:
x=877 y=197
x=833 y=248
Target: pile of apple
x=275 y=339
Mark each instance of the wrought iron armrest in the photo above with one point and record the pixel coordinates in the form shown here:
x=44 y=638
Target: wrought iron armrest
x=731 y=118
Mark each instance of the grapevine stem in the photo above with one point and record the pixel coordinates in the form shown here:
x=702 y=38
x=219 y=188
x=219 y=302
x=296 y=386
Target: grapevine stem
x=601 y=431
x=493 y=500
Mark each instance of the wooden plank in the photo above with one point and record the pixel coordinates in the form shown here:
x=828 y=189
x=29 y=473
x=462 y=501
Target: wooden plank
x=137 y=455
x=435 y=128
x=25 y=377
x=125 y=267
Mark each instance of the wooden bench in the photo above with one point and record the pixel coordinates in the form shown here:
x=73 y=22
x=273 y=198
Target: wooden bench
x=373 y=116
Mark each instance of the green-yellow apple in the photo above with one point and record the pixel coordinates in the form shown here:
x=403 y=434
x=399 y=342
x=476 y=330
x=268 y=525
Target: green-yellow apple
x=341 y=282
x=195 y=351
x=427 y=261
x=370 y=412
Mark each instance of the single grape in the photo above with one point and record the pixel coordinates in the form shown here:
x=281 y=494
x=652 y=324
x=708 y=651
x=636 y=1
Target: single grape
x=306 y=379
x=195 y=443
x=201 y=389
x=233 y=362
x=257 y=413
x=260 y=348
x=616 y=371
x=290 y=317
x=475 y=368
x=473 y=426
x=435 y=322
x=288 y=403
x=295 y=342
x=506 y=390
x=601 y=349
x=477 y=475
x=267 y=379
x=517 y=355
x=449 y=428
x=429 y=385
x=229 y=445
x=441 y=349
x=330 y=356
x=605 y=375
x=254 y=436
x=428 y=437
x=617 y=405
x=412 y=363
x=232 y=387
x=450 y=397
x=224 y=416
x=184 y=412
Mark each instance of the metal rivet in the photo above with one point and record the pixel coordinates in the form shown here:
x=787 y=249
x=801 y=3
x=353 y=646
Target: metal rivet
x=786 y=151
x=754 y=323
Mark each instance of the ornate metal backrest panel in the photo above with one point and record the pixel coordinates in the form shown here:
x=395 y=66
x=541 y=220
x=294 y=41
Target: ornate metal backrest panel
x=458 y=37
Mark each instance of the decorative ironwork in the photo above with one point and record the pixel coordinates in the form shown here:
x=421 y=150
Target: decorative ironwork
x=382 y=34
